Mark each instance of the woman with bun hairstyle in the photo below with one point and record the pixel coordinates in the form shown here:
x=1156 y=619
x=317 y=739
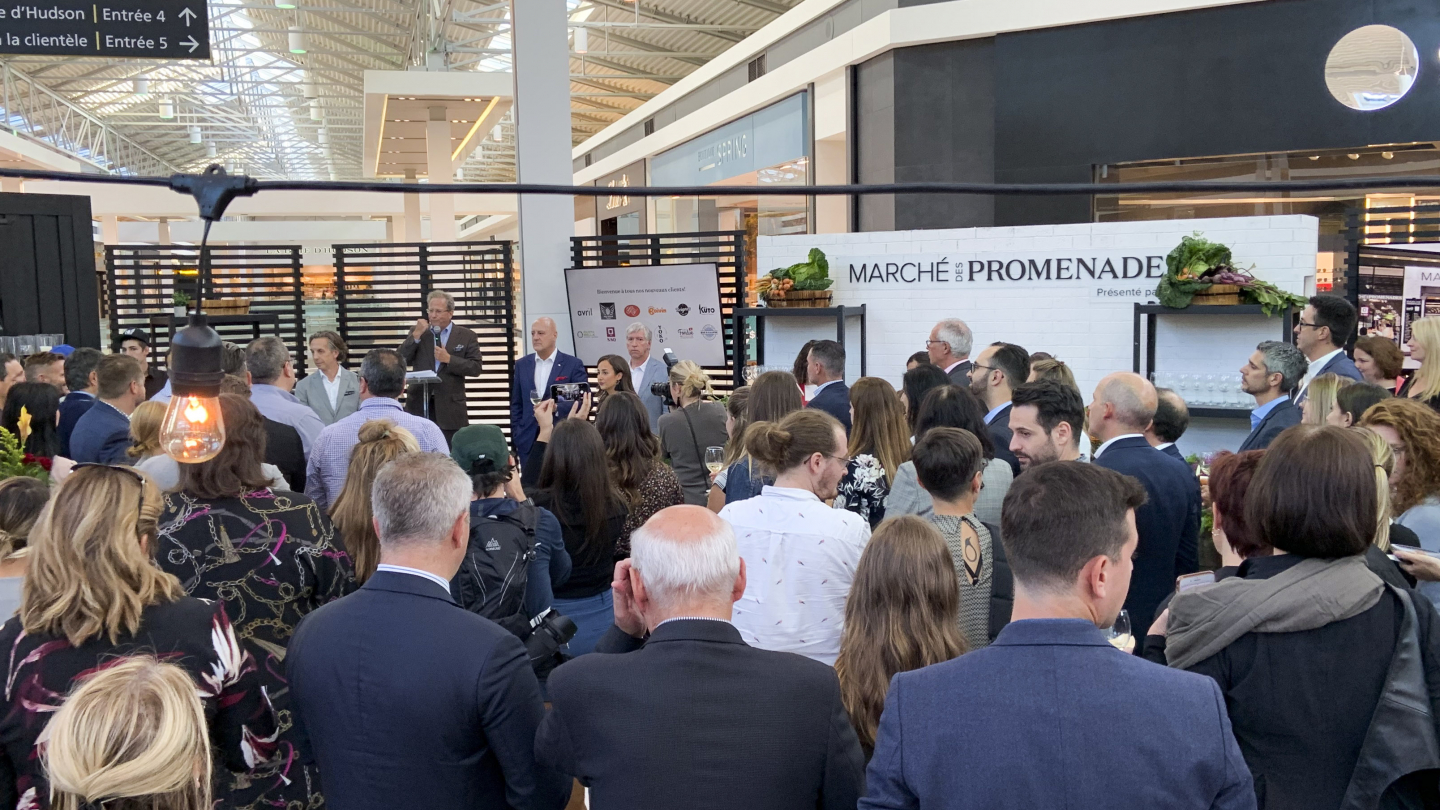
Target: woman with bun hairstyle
x=687 y=430
x=379 y=441
x=773 y=395
x=800 y=554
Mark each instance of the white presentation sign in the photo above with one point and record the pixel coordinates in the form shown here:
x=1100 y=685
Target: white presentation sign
x=679 y=302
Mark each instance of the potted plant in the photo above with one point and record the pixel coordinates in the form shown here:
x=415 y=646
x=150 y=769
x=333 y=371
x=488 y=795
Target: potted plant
x=806 y=284
x=1199 y=271
x=181 y=300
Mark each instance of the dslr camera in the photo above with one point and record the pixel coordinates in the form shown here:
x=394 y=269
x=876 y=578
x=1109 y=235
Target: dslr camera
x=662 y=389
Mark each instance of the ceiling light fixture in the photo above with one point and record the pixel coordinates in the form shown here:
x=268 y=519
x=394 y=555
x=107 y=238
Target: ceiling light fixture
x=1353 y=156
x=297 y=40
x=582 y=40
x=210 y=150
x=1387 y=155
x=307 y=88
x=315 y=109
x=285 y=4
x=167 y=109
x=142 y=85
x=1314 y=157
x=323 y=137
x=195 y=135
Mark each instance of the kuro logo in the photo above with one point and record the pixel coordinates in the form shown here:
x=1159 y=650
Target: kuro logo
x=682 y=310
x=704 y=310
x=607 y=311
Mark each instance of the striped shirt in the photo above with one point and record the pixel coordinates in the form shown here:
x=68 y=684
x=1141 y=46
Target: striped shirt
x=330 y=457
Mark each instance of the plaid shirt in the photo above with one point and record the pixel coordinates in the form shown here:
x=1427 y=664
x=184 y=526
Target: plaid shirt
x=330 y=457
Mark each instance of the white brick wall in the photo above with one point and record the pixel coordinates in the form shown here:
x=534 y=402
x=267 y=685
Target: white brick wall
x=1093 y=335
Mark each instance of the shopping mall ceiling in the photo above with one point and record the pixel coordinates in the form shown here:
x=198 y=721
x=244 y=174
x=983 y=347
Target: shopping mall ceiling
x=260 y=107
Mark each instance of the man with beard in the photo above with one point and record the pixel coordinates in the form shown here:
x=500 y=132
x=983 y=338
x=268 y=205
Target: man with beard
x=996 y=372
x=1047 y=419
x=1270 y=375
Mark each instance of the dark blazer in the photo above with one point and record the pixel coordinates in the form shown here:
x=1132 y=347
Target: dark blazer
x=75 y=405
x=1285 y=415
x=695 y=717
x=523 y=429
x=284 y=449
x=960 y=375
x=409 y=700
x=970 y=732
x=1172 y=451
x=1000 y=434
x=1168 y=523
x=1341 y=365
x=101 y=436
x=449 y=411
x=834 y=400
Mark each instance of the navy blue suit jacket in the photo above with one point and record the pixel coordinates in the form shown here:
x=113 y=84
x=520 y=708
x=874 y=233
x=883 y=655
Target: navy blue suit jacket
x=1000 y=435
x=1173 y=451
x=1168 y=523
x=523 y=428
x=1050 y=715
x=697 y=718
x=834 y=399
x=75 y=405
x=408 y=700
x=1284 y=415
x=1340 y=365
x=101 y=436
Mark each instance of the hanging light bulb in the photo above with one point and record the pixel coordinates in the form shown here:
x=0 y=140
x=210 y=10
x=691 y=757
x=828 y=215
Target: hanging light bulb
x=142 y=85
x=193 y=429
x=195 y=135
x=582 y=40
x=297 y=40
x=167 y=109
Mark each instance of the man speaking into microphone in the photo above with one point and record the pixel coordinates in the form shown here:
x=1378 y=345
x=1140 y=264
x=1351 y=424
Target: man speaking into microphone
x=451 y=351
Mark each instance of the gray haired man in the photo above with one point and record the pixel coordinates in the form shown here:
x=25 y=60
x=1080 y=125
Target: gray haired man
x=1271 y=373
x=645 y=369
x=949 y=348
x=436 y=343
x=272 y=381
x=690 y=710
x=397 y=668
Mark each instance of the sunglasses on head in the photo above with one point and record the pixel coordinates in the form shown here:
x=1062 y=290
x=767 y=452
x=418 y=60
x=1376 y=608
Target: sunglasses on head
x=135 y=474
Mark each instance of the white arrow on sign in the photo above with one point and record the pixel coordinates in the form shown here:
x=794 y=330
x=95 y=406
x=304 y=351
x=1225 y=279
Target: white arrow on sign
x=191 y=42
x=187 y=15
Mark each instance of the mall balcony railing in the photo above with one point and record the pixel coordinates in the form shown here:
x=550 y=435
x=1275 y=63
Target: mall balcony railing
x=36 y=113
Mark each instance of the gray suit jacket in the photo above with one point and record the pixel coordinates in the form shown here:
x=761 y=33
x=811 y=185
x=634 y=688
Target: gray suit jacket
x=960 y=375
x=654 y=372
x=311 y=392
x=907 y=498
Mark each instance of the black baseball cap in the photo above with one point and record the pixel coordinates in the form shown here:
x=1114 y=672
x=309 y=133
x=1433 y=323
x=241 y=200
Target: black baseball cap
x=133 y=334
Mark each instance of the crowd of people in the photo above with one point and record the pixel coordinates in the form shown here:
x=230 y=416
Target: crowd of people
x=973 y=591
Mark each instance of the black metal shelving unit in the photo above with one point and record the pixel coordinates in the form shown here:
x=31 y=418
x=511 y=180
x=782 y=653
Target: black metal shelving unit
x=1146 y=316
x=760 y=314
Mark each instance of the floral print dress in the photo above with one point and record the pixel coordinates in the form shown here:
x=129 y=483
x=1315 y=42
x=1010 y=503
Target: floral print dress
x=41 y=670
x=864 y=488
x=270 y=558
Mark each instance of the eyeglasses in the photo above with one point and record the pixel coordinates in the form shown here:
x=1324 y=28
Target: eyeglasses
x=1303 y=325
x=974 y=366
x=841 y=459
x=928 y=342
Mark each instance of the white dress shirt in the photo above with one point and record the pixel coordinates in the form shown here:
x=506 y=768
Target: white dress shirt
x=414 y=572
x=800 y=557
x=542 y=372
x=637 y=373
x=1314 y=369
x=332 y=389
x=1106 y=446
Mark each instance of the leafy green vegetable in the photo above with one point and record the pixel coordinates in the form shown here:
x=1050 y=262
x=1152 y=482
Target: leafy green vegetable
x=1194 y=256
x=811 y=274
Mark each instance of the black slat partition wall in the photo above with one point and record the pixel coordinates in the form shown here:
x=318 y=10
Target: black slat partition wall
x=380 y=290
x=724 y=248
x=142 y=280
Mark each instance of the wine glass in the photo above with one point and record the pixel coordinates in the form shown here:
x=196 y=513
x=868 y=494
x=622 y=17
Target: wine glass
x=714 y=459
x=1119 y=633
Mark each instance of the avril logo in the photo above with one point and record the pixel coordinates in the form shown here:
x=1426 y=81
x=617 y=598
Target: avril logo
x=682 y=310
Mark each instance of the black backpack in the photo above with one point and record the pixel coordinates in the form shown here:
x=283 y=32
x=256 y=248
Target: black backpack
x=491 y=581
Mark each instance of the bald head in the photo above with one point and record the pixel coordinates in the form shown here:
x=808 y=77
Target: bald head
x=686 y=560
x=1123 y=403
x=542 y=336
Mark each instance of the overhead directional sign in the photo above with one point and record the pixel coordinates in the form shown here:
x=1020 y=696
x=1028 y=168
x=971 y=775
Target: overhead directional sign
x=157 y=29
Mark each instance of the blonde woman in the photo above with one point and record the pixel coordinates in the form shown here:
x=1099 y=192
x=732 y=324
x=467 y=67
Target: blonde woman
x=694 y=425
x=380 y=440
x=1424 y=346
x=145 y=431
x=133 y=735
x=1321 y=405
x=21 y=501
x=1384 y=457
x=92 y=593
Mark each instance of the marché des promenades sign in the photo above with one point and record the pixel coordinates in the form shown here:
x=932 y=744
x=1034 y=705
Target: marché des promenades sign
x=1111 y=273
x=157 y=29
